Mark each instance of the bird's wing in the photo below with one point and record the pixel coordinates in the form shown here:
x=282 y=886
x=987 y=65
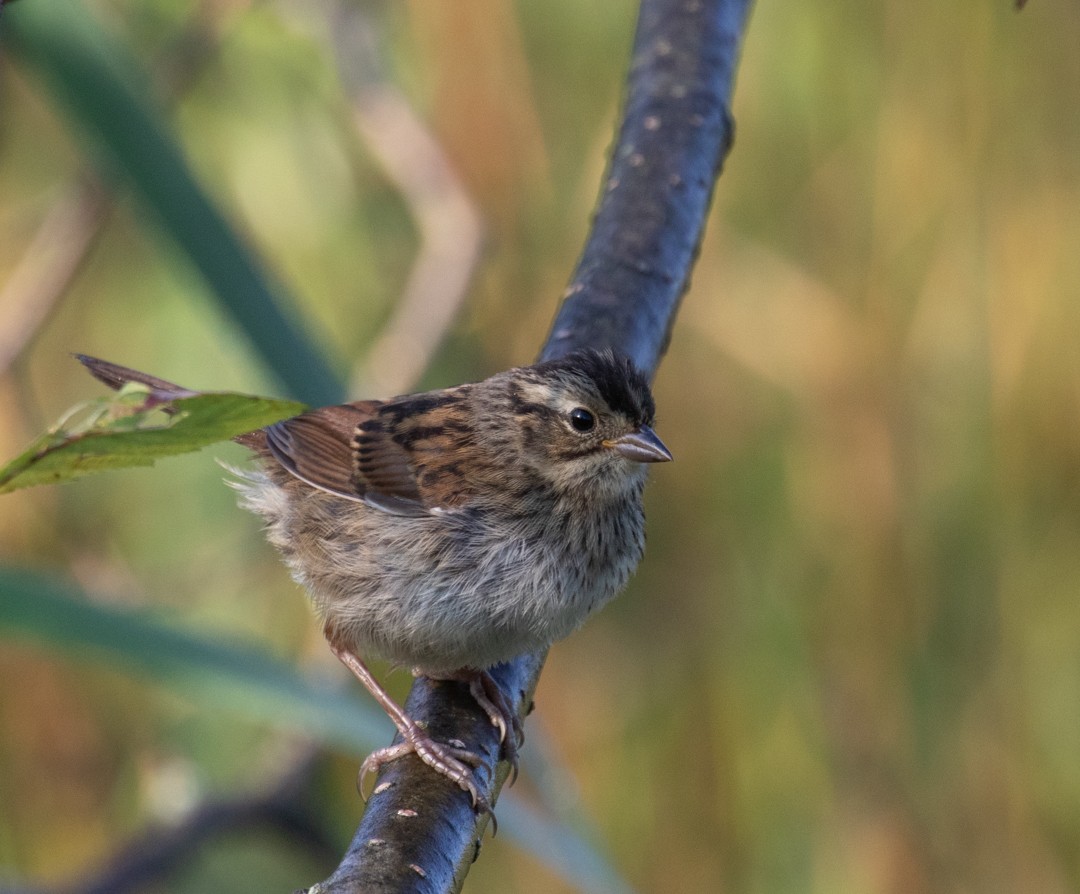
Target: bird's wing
x=366 y=451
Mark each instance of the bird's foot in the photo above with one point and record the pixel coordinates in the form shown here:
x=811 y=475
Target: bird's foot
x=455 y=761
x=502 y=715
x=451 y=761
x=493 y=701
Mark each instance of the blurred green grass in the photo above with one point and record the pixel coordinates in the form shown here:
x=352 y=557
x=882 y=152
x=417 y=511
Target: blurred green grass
x=851 y=659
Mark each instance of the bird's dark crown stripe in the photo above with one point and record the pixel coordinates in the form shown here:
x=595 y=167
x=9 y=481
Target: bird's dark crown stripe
x=620 y=384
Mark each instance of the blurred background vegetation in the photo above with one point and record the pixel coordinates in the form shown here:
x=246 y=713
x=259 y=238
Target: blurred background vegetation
x=851 y=659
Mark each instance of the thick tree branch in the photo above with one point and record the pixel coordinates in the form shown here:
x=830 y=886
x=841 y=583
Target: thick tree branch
x=419 y=832
x=675 y=134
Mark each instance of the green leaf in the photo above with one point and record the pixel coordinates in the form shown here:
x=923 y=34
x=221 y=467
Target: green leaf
x=237 y=676
x=133 y=428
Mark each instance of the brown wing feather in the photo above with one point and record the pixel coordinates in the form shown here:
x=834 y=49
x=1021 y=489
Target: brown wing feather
x=331 y=448
x=313 y=449
x=383 y=465
x=428 y=445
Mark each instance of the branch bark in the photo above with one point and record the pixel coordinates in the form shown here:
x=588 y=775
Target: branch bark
x=419 y=832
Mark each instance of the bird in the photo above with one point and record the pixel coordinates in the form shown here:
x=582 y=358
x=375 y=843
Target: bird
x=451 y=530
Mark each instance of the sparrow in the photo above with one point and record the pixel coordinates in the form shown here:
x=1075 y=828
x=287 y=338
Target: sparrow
x=452 y=530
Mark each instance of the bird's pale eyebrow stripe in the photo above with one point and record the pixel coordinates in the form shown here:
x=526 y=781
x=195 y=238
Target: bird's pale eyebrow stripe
x=524 y=407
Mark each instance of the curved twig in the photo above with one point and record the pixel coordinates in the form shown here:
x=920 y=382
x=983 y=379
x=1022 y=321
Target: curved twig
x=283 y=808
x=447 y=221
x=50 y=263
x=419 y=832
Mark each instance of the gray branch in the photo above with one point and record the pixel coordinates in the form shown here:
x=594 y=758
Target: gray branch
x=419 y=832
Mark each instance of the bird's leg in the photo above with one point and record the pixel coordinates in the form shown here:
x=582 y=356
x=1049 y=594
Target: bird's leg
x=498 y=708
x=454 y=763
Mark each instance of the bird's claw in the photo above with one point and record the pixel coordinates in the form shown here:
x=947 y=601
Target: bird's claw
x=489 y=695
x=456 y=764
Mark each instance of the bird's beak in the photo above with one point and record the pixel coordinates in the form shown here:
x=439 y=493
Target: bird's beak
x=641 y=446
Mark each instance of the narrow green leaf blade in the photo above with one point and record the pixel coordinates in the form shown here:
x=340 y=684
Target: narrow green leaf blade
x=232 y=675
x=245 y=678
x=100 y=86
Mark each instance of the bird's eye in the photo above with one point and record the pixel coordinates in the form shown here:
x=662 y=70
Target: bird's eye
x=582 y=419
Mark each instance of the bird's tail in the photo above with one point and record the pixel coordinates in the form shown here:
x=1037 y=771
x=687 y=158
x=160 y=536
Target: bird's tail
x=116 y=377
